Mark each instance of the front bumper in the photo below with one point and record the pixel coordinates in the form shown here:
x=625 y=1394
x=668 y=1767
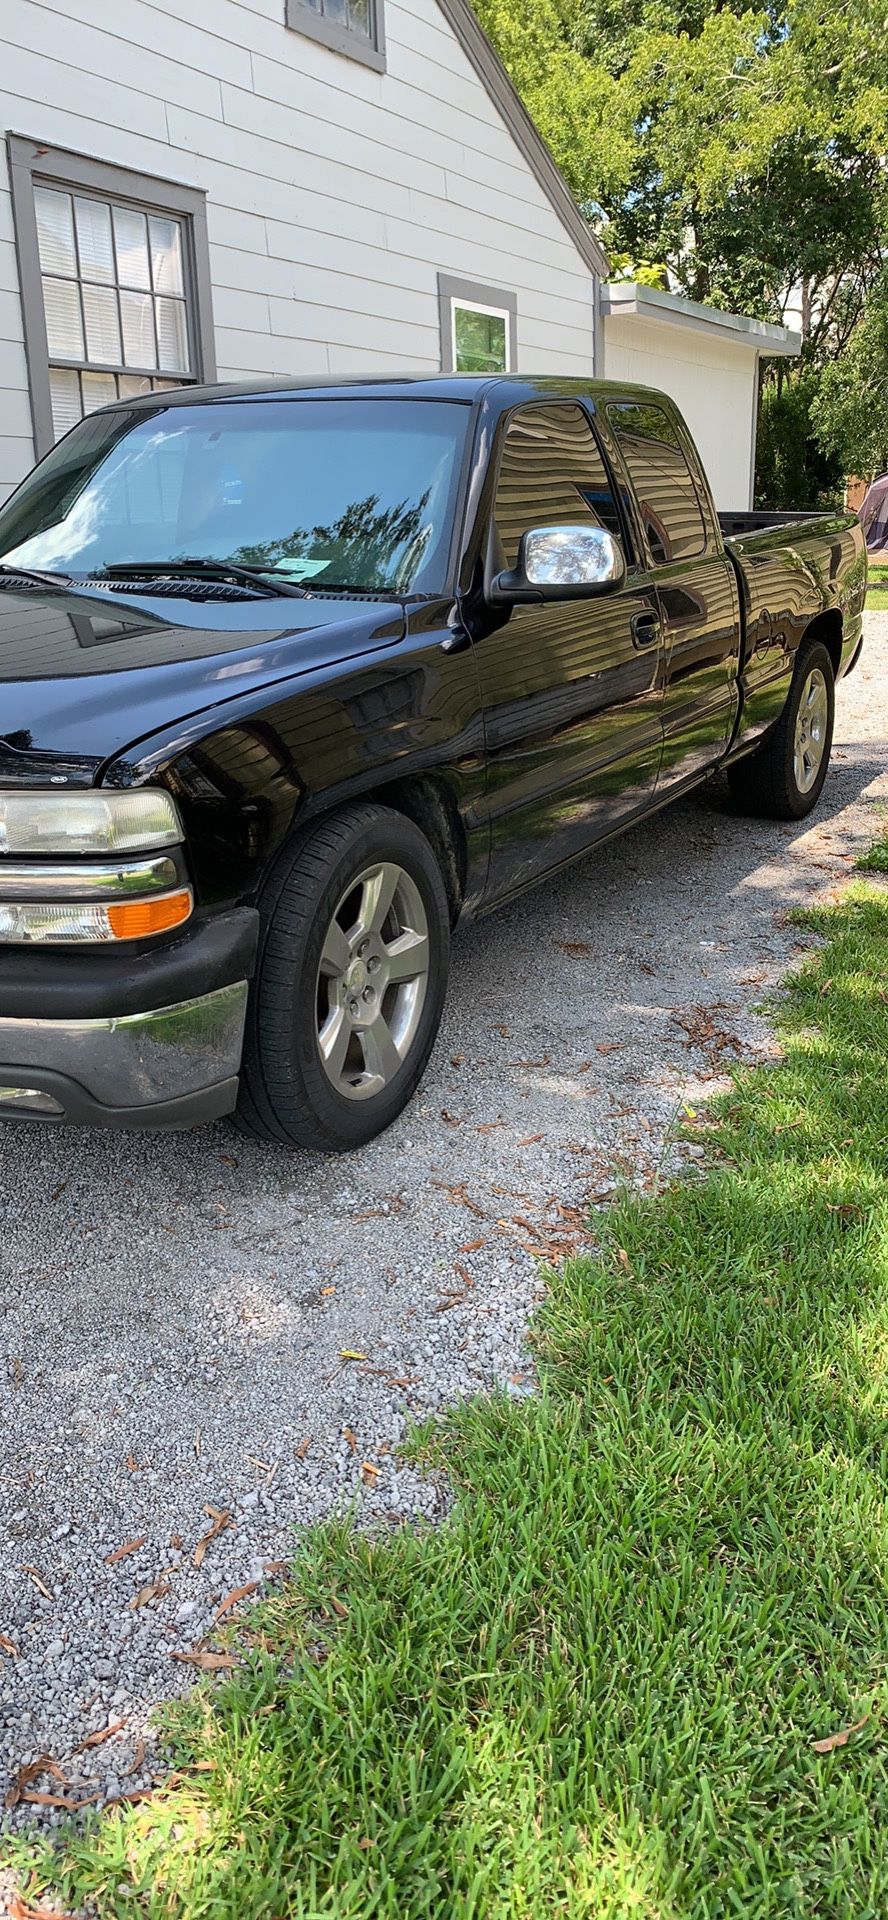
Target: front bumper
x=154 y=1041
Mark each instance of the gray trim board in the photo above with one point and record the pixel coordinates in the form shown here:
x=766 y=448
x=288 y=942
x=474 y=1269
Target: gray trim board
x=451 y=288
x=492 y=73
x=598 y=360
x=306 y=19
x=753 y=438
x=31 y=160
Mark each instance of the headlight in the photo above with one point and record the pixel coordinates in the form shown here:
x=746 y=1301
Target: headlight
x=132 y=821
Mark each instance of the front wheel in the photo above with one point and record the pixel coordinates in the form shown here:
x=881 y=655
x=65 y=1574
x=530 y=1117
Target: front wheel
x=350 y=985
x=783 y=779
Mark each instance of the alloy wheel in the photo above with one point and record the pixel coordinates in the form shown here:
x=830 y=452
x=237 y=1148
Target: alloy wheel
x=812 y=720
x=372 y=981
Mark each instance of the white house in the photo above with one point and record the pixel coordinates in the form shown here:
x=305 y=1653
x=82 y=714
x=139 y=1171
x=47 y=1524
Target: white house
x=251 y=187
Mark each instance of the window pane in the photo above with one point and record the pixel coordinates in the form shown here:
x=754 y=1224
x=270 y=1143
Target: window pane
x=137 y=320
x=336 y=10
x=166 y=254
x=114 y=293
x=99 y=389
x=64 y=330
x=552 y=473
x=131 y=240
x=359 y=17
x=481 y=341
x=55 y=231
x=64 y=387
x=94 y=240
x=102 y=324
x=172 y=342
x=664 y=484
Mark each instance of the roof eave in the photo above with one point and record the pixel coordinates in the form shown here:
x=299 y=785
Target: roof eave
x=651 y=303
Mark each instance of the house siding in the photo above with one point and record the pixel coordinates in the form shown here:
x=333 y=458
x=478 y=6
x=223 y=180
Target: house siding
x=335 y=194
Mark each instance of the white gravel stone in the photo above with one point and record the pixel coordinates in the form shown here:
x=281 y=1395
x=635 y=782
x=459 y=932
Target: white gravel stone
x=175 y=1311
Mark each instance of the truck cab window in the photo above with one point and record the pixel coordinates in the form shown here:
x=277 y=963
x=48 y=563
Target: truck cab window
x=551 y=474
x=664 y=484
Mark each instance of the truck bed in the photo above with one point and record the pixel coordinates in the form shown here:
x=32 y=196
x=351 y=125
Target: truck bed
x=792 y=568
x=742 y=521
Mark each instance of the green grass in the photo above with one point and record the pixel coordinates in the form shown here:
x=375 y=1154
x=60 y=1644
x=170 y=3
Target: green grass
x=875 y=859
x=595 y=1690
x=878 y=600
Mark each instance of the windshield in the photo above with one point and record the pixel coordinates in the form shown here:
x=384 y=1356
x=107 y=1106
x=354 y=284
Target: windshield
x=342 y=493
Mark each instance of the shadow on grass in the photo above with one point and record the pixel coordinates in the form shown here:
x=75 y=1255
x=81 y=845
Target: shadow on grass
x=595 y=1690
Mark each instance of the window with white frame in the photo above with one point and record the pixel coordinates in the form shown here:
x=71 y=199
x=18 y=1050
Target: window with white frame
x=109 y=285
x=478 y=327
x=480 y=339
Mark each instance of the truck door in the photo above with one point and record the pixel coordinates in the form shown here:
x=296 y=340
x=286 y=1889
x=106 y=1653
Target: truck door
x=696 y=587
x=571 y=689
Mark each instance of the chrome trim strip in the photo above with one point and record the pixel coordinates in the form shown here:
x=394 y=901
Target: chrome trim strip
x=137 y=1058
x=120 y=880
x=29 y=1100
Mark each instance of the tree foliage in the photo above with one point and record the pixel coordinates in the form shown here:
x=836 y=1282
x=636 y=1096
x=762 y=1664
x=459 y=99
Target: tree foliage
x=737 y=150
x=792 y=470
x=850 y=409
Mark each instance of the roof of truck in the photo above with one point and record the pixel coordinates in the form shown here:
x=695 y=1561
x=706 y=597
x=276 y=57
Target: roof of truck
x=507 y=389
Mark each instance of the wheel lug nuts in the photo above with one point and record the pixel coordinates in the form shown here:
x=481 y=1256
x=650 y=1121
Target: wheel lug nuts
x=364 y=948
x=367 y=994
x=372 y=964
x=353 y=1007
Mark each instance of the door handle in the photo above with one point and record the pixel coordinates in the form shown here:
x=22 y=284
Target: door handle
x=645 y=629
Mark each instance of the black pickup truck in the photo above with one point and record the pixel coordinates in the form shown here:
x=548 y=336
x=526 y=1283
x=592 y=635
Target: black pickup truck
x=294 y=677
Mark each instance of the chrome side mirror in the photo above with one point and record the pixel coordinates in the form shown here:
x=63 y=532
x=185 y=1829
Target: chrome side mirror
x=561 y=563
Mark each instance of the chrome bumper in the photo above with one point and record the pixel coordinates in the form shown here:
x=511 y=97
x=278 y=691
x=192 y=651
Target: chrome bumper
x=174 y=1066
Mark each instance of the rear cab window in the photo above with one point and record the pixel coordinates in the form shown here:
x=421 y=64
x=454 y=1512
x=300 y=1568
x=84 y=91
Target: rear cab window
x=665 y=487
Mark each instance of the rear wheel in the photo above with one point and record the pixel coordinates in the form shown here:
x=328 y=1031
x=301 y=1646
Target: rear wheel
x=351 y=983
x=783 y=779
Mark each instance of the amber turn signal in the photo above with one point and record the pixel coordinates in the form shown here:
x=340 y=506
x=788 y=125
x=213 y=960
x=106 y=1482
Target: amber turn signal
x=135 y=919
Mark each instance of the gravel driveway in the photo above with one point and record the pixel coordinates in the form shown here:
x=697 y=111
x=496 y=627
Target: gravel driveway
x=195 y=1326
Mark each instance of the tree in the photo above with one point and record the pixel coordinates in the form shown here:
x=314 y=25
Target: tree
x=792 y=469
x=732 y=152
x=849 y=412
x=741 y=148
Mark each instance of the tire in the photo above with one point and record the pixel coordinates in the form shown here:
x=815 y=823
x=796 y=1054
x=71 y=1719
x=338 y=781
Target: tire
x=784 y=778
x=355 y=936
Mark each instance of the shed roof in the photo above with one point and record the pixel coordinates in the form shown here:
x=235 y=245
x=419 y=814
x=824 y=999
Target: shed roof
x=671 y=309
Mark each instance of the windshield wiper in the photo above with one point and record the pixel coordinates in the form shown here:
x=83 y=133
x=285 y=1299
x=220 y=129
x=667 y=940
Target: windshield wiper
x=33 y=576
x=213 y=569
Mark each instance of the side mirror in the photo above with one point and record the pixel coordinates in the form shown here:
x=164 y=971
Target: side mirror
x=560 y=563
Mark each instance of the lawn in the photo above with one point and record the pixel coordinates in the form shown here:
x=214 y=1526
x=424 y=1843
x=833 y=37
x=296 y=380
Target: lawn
x=877 y=596
x=605 y=1685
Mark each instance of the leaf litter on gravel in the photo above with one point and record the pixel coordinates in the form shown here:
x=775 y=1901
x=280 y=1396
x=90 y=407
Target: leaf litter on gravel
x=122 y=1552
x=44 y=1763
x=221 y=1519
x=98 y=1738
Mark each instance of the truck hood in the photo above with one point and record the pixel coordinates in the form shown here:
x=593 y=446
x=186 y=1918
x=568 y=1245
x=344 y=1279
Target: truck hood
x=84 y=674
